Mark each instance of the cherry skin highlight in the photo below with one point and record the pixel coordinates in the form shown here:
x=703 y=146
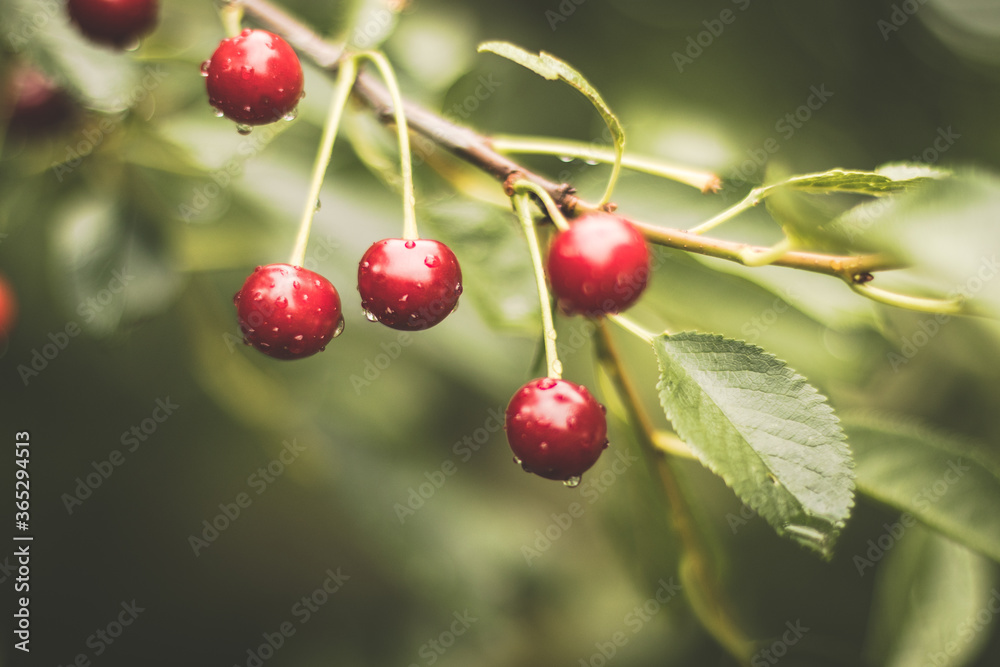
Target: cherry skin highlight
x=409 y=284
x=288 y=312
x=254 y=78
x=555 y=428
x=599 y=266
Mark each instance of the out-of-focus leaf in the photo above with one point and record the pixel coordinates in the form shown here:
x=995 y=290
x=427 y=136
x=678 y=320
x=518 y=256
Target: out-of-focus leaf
x=757 y=424
x=928 y=596
x=950 y=485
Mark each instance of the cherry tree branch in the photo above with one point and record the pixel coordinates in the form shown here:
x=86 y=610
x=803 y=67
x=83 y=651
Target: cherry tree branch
x=477 y=150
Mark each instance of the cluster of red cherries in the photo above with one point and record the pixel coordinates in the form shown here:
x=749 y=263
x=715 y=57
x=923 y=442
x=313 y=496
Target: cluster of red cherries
x=598 y=266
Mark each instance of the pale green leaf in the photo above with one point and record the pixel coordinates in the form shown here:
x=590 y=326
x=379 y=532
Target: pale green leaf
x=948 y=484
x=761 y=427
x=552 y=68
x=886 y=180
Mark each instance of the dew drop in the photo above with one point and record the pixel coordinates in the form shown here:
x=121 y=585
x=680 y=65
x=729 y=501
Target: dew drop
x=281 y=302
x=291 y=115
x=431 y=261
x=551 y=334
x=517 y=460
x=547 y=383
x=557 y=366
x=275 y=330
x=370 y=316
x=244 y=129
x=603 y=408
x=340 y=328
x=572 y=482
x=319 y=204
x=295 y=284
x=591 y=162
x=245 y=33
x=258 y=296
x=572 y=422
x=204 y=67
x=403 y=299
x=299 y=337
x=246 y=72
x=604 y=445
x=589 y=288
x=565 y=158
x=410 y=245
x=132 y=46
x=365 y=264
x=219 y=113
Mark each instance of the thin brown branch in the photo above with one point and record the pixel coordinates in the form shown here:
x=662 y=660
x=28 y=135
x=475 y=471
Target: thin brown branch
x=476 y=149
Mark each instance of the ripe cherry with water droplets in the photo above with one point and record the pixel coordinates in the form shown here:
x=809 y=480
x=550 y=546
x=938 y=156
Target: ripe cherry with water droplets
x=288 y=312
x=409 y=284
x=254 y=78
x=556 y=429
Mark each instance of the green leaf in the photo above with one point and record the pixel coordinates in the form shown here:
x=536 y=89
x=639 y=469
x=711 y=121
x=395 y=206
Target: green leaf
x=950 y=485
x=928 y=595
x=886 y=180
x=756 y=423
x=552 y=68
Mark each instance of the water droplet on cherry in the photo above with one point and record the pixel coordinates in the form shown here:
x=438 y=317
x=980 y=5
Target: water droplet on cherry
x=410 y=245
x=431 y=261
x=244 y=129
x=572 y=482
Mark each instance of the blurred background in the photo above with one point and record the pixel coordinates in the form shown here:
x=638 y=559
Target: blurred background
x=361 y=507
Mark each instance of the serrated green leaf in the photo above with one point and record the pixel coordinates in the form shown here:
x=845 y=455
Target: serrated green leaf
x=552 y=68
x=928 y=595
x=949 y=485
x=886 y=180
x=761 y=427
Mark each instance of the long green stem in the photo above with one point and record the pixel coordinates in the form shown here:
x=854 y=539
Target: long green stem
x=698 y=570
x=755 y=197
x=550 y=205
x=406 y=162
x=524 y=145
x=522 y=205
x=628 y=325
x=342 y=90
x=924 y=305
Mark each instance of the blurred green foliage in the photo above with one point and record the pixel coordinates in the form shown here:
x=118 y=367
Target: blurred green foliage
x=135 y=223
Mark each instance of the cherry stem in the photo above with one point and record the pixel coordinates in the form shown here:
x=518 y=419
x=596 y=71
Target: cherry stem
x=698 y=570
x=341 y=92
x=704 y=181
x=522 y=205
x=406 y=162
x=633 y=328
x=956 y=306
x=232 y=19
x=555 y=214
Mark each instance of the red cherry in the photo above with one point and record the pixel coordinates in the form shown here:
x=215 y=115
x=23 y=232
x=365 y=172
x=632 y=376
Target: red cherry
x=38 y=103
x=288 y=312
x=409 y=284
x=117 y=23
x=8 y=308
x=600 y=265
x=254 y=78
x=556 y=429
